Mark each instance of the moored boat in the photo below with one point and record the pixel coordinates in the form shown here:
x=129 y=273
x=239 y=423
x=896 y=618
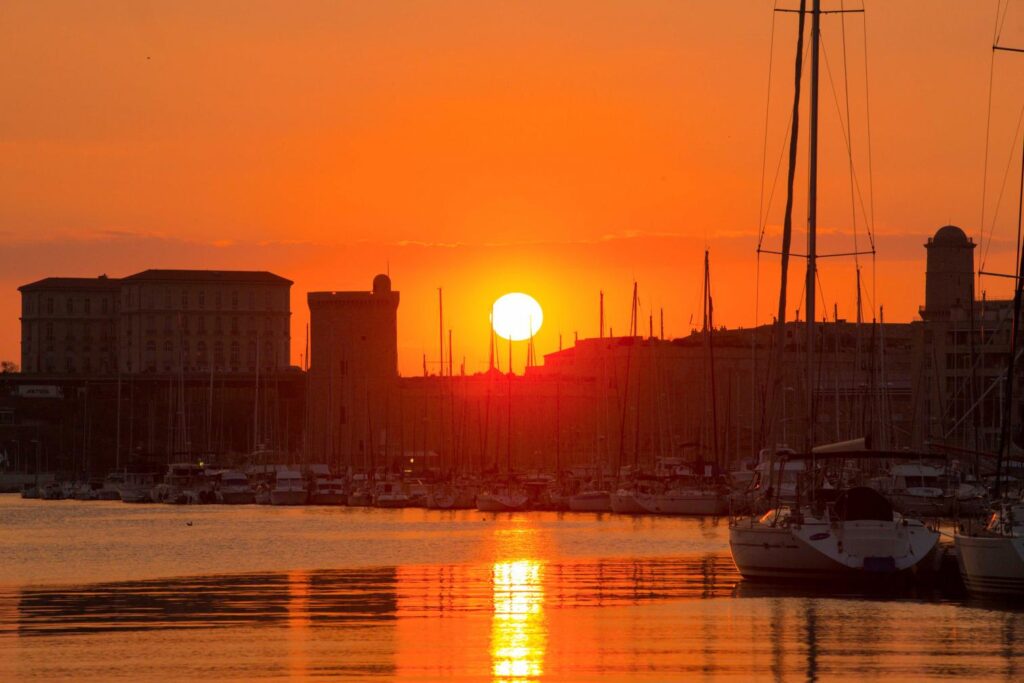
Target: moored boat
x=289 y=488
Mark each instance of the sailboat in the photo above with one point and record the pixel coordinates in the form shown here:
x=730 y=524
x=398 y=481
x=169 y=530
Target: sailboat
x=991 y=559
x=858 y=534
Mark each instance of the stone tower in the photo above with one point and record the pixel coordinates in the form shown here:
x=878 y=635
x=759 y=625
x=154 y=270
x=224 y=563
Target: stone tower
x=352 y=373
x=949 y=282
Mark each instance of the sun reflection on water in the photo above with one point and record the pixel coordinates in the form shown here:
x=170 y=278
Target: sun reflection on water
x=518 y=629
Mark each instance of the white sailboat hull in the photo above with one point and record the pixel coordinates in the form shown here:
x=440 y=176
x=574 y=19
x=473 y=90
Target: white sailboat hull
x=991 y=564
x=593 y=501
x=625 y=503
x=821 y=550
x=684 y=503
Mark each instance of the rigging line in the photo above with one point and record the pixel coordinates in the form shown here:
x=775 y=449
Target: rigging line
x=988 y=137
x=867 y=119
x=1001 y=21
x=849 y=129
x=1002 y=189
x=763 y=219
x=778 y=171
x=767 y=110
x=849 y=149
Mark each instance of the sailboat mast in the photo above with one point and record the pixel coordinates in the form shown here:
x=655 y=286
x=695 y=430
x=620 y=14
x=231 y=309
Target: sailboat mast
x=812 y=219
x=1005 y=430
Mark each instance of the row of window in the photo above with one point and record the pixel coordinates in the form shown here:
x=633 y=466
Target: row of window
x=70 y=305
x=186 y=323
x=174 y=298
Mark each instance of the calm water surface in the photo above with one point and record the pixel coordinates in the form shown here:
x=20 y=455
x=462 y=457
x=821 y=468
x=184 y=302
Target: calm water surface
x=109 y=591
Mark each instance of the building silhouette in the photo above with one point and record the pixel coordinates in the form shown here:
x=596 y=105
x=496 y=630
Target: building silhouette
x=353 y=372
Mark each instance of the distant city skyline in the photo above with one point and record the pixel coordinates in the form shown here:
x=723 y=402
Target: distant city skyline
x=557 y=150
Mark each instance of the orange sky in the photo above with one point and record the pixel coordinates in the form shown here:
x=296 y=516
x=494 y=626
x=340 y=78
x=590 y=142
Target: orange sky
x=556 y=148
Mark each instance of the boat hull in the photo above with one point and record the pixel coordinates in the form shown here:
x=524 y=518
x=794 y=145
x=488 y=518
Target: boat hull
x=329 y=498
x=865 y=549
x=991 y=565
x=288 y=497
x=136 y=495
x=625 y=503
x=486 y=502
x=682 y=504
x=237 y=497
x=591 y=502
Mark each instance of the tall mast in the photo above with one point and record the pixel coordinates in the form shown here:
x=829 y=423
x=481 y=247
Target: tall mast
x=812 y=219
x=1007 y=422
x=601 y=296
x=440 y=331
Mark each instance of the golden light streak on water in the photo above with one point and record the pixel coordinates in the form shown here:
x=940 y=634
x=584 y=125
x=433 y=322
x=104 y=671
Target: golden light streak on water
x=518 y=628
x=298 y=622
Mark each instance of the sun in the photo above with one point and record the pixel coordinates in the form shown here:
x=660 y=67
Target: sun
x=516 y=316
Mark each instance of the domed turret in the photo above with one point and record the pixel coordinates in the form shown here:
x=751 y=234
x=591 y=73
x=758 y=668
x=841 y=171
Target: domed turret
x=381 y=284
x=949 y=282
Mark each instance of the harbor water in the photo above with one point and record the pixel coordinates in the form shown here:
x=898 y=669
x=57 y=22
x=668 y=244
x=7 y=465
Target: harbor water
x=108 y=591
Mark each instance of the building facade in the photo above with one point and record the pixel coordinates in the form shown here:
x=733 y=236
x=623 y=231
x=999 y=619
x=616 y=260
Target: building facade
x=203 y=320
x=157 y=321
x=70 y=325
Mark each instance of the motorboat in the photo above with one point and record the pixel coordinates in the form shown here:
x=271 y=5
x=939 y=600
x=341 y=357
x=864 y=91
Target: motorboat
x=360 y=492
x=184 y=483
x=235 y=489
x=328 y=489
x=138 y=485
x=859 y=534
x=111 y=488
x=917 y=489
x=289 y=488
x=392 y=494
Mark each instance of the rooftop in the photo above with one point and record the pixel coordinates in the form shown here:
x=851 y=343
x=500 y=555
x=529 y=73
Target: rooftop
x=251 y=276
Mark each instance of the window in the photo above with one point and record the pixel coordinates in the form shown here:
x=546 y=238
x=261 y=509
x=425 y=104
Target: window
x=49 y=305
x=218 y=325
x=88 y=306
x=252 y=301
x=201 y=353
x=184 y=298
x=69 y=364
x=167 y=299
x=103 y=305
x=218 y=354
x=235 y=353
x=234 y=324
x=49 y=331
x=202 y=324
x=202 y=299
x=71 y=306
x=234 y=299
